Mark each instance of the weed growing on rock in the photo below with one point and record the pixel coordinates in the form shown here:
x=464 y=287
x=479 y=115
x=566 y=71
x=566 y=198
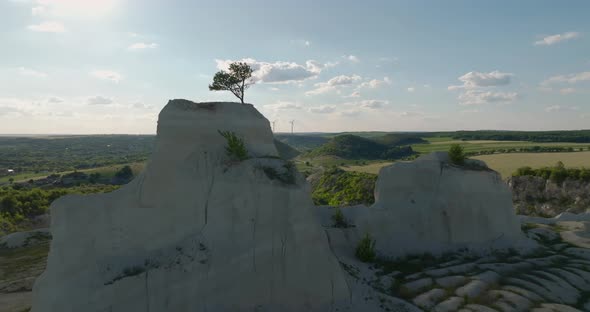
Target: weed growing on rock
x=339 y=220
x=287 y=176
x=235 y=148
x=365 y=250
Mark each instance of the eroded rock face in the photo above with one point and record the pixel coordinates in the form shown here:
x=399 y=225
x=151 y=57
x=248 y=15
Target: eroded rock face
x=537 y=196
x=195 y=231
x=430 y=205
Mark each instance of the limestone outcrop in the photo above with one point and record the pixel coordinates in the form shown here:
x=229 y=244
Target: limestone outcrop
x=430 y=205
x=196 y=231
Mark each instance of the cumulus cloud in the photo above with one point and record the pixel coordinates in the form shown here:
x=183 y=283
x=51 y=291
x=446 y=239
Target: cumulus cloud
x=140 y=105
x=99 y=100
x=107 y=75
x=560 y=108
x=333 y=84
x=354 y=94
x=283 y=105
x=278 y=72
x=567 y=90
x=411 y=89
x=351 y=58
x=571 y=78
x=553 y=39
x=142 y=46
x=375 y=83
x=326 y=109
x=477 y=97
x=373 y=104
x=473 y=80
x=54 y=100
x=31 y=72
x=50 y=26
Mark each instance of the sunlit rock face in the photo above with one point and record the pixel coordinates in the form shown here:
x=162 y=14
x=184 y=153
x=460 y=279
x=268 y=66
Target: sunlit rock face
x=195 y=231
x=430 y=205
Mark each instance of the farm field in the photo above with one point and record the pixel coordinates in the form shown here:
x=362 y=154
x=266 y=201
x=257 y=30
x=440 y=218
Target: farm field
x=506 y=164
x=443 y=144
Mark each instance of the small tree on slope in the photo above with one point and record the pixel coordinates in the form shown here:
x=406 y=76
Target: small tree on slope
x=237 y=80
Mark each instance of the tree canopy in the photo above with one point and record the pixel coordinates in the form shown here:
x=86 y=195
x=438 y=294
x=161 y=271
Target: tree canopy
x=237 y=80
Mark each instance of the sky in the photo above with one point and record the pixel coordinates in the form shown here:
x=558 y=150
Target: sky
x=109 y=66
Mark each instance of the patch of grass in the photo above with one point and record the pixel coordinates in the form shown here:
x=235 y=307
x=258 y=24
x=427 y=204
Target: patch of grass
x=288 y=176
x=22 y=262
x=235 y=149
x=365 y=250
x=339 y=219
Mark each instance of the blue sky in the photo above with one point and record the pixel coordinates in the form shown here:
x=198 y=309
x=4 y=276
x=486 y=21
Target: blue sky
x=109 y=66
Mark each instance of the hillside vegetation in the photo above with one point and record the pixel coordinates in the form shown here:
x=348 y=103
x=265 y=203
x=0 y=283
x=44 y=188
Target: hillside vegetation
x=354 y=147
x=336 y=187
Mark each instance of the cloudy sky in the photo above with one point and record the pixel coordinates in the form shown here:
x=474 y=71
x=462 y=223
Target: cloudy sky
x=109 y=66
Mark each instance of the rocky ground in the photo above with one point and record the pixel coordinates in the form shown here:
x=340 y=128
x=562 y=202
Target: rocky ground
x=554 y=277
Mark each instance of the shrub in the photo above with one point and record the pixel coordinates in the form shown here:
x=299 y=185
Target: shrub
x=339 y=220
x=235 y=148
x=287 y=177
x=457 y=154
x=365 y=250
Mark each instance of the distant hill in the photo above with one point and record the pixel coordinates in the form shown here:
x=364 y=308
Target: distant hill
x=354 y=147
x=286 y=151
x=302 y=142
x=399 y=139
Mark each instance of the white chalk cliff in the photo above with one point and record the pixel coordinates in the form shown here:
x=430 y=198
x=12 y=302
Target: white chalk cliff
x=195 y=231
x=430 y=205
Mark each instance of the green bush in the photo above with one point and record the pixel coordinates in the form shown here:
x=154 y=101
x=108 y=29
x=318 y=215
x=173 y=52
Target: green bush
x=337 y=187
x=339 y=220
x=457 y=154
x=235 y=148
x=365 y=250
x=287 y=177
x=557 y=173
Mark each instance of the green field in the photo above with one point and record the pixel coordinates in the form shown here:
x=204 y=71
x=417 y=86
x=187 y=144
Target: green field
x=444 y=143
x=506 y=164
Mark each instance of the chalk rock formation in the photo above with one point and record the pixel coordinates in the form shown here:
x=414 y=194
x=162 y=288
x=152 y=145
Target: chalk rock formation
x=195 y=231
x=430 y=205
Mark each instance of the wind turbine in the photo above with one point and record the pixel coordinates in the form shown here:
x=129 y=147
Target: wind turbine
x=292 y=125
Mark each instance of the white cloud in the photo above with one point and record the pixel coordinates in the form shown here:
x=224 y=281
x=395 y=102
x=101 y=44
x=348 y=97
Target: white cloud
x=333 y=84
x=304 y=43
x=278 y=72
x=99 y=100
x=51 y=26
x=411 y=89
x=140 y=105
x=571 y=78
x=354 y=94
x=560 y=108
x=54 y=100
x=107 y=75
x=375 y=83
x=476 y=97
x=351 y=58
x=74 y=8
x=567 y=90
x=553 y=39
x=473 y=80
x=374 y=104
x=39 y=11
x=322 y=109
x=31 y=72
x=142 y=46
x=283 y=105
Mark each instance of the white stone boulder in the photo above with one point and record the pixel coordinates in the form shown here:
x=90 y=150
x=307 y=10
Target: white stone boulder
x=195 y=231
x=431 y=205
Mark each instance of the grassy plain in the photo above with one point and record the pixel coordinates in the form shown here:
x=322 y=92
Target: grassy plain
x=506 y=164
x=444 y=143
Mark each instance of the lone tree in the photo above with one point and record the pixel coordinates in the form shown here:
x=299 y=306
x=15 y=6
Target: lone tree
x=237 y=80
x=456 y=154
